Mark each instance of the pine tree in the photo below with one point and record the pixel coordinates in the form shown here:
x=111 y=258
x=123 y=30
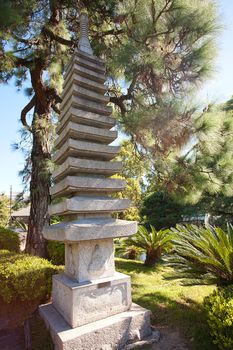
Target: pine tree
x=154 y=50
x=204 y=174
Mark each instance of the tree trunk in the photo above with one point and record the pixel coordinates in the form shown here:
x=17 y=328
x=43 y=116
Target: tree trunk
x=152 y=256
x=132 y=254
x=39 y=185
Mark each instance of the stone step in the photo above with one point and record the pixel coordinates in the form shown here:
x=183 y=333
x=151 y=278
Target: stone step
x=73 y=78
x=82 y=61
x=74 y=166
x=84 y=132
x=86 y=105
x=81 y=204
x=113 y=332
x=90 y=229
x=81 y=184
x=79 y=116
x=86 y=73
x=85 y=149
x=83 y=93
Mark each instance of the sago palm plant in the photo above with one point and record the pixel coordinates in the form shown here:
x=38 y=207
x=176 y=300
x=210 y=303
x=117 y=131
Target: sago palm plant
x=124 y=250
x=153 y=243
x=202 y=255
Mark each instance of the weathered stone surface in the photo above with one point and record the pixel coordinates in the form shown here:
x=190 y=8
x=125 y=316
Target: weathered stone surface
x=82 y=92
x=85 y=149
x=86 y=72
x=77 y=115
x=86 y=105
x=145 y=343
x=84 y=43
x=86 y=184
x=89 y=260
x=84 y=132
x=82 y=303
x=85 y=229
x=73 y=166
x=87 y=61
x=73 y=78
x=81 y=204
x=111 y=333
x=94 y=65
x=88 y=57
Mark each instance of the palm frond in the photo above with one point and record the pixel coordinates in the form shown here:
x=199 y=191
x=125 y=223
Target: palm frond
x=203 y=253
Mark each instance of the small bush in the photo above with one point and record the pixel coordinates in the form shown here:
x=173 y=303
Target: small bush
x=56 y=252
x=219 y=307
x=9 y=240
x=24 y=277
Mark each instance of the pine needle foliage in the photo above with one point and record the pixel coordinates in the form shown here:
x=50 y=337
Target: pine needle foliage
x=203 y=172
x=202 y=255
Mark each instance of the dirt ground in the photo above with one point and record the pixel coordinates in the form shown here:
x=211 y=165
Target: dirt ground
x=169 y=340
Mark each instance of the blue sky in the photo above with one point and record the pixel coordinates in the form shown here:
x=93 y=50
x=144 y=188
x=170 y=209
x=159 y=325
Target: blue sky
x=218 y=89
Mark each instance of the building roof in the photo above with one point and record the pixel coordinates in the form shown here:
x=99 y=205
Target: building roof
x=24 y=212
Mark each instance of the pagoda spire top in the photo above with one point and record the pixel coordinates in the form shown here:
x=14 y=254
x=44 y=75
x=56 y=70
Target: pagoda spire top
x=84 y=43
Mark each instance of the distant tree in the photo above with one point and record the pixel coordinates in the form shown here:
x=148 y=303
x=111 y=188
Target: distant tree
x=220 y=207
x=134 y=164
x=155 y=50
x=4 y=210
x=162 y=210
x=133 y=192
x=134 y=170
x=20 y=201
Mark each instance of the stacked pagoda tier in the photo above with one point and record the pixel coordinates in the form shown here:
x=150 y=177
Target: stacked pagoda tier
x=82 y=196
x=91 y=305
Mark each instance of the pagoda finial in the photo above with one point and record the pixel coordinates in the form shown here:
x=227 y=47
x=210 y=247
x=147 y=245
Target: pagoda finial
x=84 y=43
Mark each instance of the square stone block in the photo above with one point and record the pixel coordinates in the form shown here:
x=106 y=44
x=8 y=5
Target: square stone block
x=112 y=333
x=90 y=260
x=82 y=303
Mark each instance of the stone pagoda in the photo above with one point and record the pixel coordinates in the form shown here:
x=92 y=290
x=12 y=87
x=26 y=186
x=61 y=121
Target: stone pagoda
x=91 y=303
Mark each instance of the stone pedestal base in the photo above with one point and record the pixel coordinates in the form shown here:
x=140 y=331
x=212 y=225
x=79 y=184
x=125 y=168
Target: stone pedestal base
x=82 y=303
x=111 y=333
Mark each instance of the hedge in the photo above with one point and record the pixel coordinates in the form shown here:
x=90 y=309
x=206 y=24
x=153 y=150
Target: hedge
x=9 y=240
x=24 y=277
x=219 y=307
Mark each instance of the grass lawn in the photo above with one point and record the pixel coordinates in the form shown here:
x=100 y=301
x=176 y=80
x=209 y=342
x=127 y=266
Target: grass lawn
x=171 y=303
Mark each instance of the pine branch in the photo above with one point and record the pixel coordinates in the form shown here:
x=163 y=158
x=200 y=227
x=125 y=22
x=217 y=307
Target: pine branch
x=53 y=36
x=24 y=112
x=54 y=96
x=164 y=9
x=18 y=61
x=56 y=109
x=25 y=41
x=108 y=32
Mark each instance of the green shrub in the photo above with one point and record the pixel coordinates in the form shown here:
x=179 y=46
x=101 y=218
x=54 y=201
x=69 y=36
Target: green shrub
x=9 y=240
x=219 y=307
x=24 y=277
x=203 y=254
x=56 y=252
